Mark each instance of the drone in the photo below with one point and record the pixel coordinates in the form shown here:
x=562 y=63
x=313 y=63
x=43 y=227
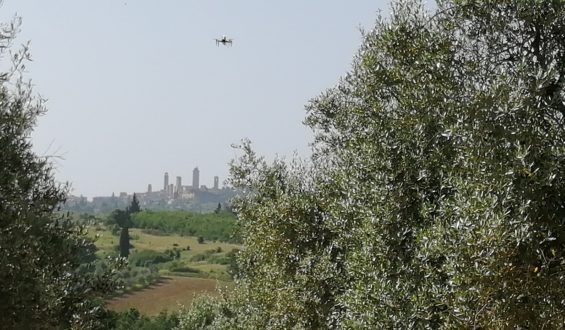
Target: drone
x=224 y=41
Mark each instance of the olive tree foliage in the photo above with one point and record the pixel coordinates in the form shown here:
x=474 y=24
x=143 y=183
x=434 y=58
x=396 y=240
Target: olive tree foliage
x=46 y=280
x=435 y=194
x=285 y=274
x=450 y=130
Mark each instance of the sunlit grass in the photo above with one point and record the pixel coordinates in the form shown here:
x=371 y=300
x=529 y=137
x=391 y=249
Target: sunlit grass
x=107 y=245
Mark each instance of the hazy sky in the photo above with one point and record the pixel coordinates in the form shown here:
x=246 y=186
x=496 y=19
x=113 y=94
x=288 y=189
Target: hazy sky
x=137 y=87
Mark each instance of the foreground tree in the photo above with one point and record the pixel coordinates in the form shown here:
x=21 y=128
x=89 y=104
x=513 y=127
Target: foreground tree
x=437 y=199
x=45 y=275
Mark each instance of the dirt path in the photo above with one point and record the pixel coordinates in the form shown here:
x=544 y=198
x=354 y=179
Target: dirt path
x=168 y=294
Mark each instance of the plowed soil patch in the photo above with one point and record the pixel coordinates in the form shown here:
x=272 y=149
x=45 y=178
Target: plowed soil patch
x=167 y=295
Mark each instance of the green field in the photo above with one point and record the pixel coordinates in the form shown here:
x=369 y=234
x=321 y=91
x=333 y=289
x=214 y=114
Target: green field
x=167 y=269
x=211 y=226
x=189 y=248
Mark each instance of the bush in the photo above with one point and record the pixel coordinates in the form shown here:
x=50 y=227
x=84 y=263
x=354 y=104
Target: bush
x=184 y=269
x=201 y=256
x=201 y=314
x=138 y=277
x=211 y=256
x=133 y=319
x=149 y=257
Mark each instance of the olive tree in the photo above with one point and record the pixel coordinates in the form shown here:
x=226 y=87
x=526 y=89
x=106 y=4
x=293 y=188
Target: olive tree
x=46 y=275
x=435 y=194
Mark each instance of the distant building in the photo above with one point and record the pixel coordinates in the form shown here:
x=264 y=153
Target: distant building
x=178 y=189
x=195 y=178
x=73 y=201
x=173 y=196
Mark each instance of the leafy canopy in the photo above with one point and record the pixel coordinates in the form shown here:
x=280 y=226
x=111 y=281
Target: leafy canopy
x=435 y=194
x=46 y=270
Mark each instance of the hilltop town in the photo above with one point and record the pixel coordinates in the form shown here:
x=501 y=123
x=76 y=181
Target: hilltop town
x=195 y=197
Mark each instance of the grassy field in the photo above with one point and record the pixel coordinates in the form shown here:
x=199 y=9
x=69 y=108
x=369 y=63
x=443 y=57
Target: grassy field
x=167 y=295
x=198 y=268
x=106 y=244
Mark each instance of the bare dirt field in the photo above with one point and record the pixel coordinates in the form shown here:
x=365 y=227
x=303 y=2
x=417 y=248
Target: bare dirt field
x=166 y=295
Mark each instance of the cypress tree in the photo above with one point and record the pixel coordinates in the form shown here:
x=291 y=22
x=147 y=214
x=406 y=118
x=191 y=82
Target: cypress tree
x=134 y=206
x=124 y=242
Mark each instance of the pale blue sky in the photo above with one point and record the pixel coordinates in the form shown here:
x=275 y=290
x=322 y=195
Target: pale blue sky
x=138 y=87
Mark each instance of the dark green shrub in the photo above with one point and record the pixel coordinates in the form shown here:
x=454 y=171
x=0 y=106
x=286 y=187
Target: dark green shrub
x=184 y=269
x=133 y=319
x=149 y=257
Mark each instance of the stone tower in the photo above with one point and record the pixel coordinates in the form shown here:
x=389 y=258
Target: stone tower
x=166 y=185
x=179 y=186
x=195 y=179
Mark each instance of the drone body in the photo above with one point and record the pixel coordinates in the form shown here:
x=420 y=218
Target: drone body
x=224 y=41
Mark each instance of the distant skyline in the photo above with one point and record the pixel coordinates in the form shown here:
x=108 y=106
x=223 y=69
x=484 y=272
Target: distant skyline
x=139 y=88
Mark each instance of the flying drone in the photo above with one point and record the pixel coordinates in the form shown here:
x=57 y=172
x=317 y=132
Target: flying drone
x=224 y=41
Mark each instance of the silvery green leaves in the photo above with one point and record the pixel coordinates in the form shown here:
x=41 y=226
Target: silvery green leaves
x=435 y=194
x=433 y=125
x=46 y=268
